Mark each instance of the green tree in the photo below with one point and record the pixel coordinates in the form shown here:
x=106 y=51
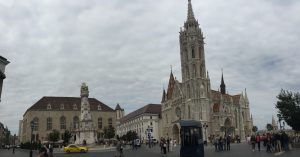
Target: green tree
x=66 y=136
x=53 y=136
x=269 y=127
x=288 y=106
x=109 y=132
x=254 y=128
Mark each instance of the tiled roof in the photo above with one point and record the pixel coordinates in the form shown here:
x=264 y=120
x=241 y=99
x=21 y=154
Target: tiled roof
x=236 y=99
x=68 y=103
x=226 y=97
x=150 y=108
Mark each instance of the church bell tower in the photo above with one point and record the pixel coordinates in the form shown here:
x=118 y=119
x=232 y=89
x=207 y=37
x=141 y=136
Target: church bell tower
x=193 y=70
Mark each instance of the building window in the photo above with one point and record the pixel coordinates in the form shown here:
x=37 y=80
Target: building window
x=194 y=70
x=110 y=122
x=62 y=122
x=151 y=123
x=35 y=124
x=74 y=107
x=62 y=106
x=150 y=117
x=49 y=107
x=49 y=123
x=100 y=122
x=99 y=107
x=187 y=72
x=193 y=52
x=188 y=91
x=75 y=122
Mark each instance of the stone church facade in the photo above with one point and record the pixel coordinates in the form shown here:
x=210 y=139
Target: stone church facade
x=194 y=99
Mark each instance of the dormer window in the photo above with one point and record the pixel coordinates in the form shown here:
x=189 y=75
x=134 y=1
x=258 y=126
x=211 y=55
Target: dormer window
x=62 y=106
x=99 y=107
x=49 y=107
x=74 y=107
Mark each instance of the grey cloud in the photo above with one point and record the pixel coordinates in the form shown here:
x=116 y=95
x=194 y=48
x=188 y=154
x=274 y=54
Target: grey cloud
x=123 y=50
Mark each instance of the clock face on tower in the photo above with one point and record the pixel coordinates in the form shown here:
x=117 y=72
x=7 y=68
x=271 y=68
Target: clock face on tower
x=178 y=112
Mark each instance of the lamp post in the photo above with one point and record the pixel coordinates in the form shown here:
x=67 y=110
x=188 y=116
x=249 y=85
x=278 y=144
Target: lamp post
x=31 y=125
x=205 y=126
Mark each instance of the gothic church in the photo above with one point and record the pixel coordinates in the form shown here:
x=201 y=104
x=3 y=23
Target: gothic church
x=193 y=98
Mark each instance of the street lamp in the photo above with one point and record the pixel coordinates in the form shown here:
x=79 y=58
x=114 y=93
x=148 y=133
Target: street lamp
x=205 y=126
x=31 y=125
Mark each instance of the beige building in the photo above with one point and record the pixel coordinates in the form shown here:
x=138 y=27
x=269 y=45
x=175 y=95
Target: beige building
x=63 y=113
x=193 y=98
x=144 y=121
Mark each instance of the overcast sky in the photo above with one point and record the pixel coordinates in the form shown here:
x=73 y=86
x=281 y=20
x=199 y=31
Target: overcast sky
x=123 y=50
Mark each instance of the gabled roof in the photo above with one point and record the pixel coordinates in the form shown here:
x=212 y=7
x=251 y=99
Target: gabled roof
x=150 y=108
x=68 y=102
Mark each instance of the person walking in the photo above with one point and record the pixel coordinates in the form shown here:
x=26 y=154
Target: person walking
x=161 y=145
x=216 y=143
x=42 y=152
x=171 y=145
x=165 y=146
x=119 y=149
x=268 y=144
x=168 y=144
x=228 y=142
x=258 y=139
x=252 y=140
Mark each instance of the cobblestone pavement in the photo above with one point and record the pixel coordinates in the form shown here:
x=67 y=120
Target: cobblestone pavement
x=237 y=150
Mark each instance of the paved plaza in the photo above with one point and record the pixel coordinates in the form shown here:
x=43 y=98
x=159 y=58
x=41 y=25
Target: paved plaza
x=238 y=150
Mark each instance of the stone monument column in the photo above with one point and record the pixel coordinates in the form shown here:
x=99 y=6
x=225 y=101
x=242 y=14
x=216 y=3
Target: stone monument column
x=86 y=132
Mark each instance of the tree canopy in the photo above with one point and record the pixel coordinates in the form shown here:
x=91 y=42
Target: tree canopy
x=109 y=132
x=288 y=106
x=254 y=128
x=269 y=127
x=53 y=136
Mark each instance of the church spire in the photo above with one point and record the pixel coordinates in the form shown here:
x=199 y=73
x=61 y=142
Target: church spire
x=190 y=15
x=222 y=86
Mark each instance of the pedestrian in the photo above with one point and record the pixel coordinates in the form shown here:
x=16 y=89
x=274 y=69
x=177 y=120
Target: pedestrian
x=220 y=143
x=216 y=143
x=161 y=145
x=14 y=149
x=119 y=149
x=50 y=150
x=132 y=144
x=42 y=152
x=258 y=139
x=168 y=144
x=165 y=146
x=175 y=143
x=253 y=141
x=171 y=145
x=268 y=144
x=228 y=142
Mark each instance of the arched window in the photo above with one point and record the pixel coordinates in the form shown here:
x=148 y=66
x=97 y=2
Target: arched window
x=75 y=122
x=35 y=124
x=49 y=123
x=186 y=55
x=194 y=70
x=110 y=122
x=63 y=122
x=188 y=91
x=189 y=110
x=193 y=52
x=100 y=123
x=236 y=119
x=187 y=71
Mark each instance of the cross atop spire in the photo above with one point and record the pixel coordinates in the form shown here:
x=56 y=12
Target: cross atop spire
x=190 y=15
